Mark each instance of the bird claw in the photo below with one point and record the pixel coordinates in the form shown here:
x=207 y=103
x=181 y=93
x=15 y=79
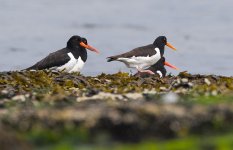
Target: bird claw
x=147 y=71
x=150 y=72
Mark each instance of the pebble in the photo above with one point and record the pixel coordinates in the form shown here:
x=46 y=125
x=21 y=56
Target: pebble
x=184 y=80
x=207 y=81
x=102 y=96
x=214 y=93
x=96 y=79
x=182 y=90
x=190 y=84
x=4 y=92
x=106 y=96
x=178 y=81
x=163 y=88
x=134 y=96
x=19 y=97
x=146 y=91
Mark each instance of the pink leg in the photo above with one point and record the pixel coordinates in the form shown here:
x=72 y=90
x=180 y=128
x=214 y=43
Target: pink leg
x=146 y=71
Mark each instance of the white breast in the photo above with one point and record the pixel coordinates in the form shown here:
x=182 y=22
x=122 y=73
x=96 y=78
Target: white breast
x=159 y=73
x=69 y=65
x=141 y=61
x=73 y=65
x=78 y=66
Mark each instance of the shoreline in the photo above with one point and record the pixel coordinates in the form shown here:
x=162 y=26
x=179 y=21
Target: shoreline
x=119 y=107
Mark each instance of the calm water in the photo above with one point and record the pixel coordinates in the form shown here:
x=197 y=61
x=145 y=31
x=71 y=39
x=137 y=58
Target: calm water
x=201 y=30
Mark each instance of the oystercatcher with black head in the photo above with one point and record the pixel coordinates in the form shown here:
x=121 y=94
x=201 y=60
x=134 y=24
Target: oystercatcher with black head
x=69 y=59
x=158 y=68
x=145 y=56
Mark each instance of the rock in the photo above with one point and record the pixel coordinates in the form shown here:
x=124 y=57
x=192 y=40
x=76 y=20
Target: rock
x=134 y=96
x=190 y=84
x=4 y=92
x=102 y=96
x=152 y=91
x=163 y=88
x=214 y=93
x=207 y=81
x=19 y=98
x=184 y=80
x=124 y=107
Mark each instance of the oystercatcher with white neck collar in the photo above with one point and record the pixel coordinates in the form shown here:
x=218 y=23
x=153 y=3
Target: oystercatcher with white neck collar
x=69 y=59
x=145 y=56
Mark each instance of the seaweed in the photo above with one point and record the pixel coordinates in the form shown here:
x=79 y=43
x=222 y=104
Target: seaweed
x=46 y=105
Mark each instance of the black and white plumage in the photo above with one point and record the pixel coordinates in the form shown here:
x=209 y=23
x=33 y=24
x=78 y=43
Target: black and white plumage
x=158 y=68
x=69 y=59
x=145 y=56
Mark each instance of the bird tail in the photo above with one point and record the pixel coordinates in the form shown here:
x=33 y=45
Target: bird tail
x=111 y=58
x=31 y=68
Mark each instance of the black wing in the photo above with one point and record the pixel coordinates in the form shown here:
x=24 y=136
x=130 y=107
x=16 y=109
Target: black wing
x=147 y=50
x=54 y=59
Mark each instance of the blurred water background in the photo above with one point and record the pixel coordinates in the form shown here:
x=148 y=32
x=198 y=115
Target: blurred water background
x=201 y=30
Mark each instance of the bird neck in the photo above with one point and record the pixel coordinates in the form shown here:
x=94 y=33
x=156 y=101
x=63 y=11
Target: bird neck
x=161 y=48
x=79 y=52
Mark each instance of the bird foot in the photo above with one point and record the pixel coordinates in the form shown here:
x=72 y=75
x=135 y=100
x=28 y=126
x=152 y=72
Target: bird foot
x=146 y=71
x=149 y=72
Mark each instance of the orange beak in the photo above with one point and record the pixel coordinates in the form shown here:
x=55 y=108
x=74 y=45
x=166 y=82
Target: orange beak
x=170 y=65
x=89 y=47
x=172 y=47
